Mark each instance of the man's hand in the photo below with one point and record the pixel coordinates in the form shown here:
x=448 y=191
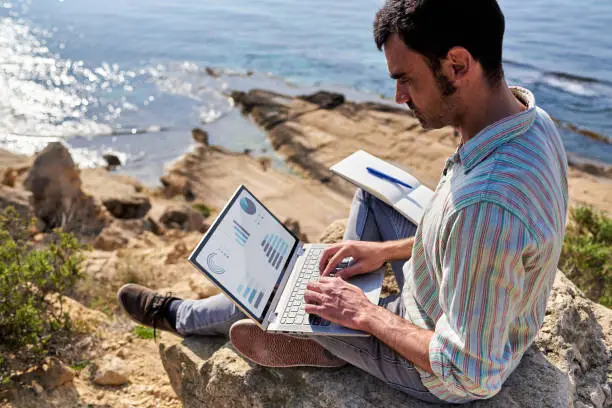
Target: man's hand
x=368 y=257
x=338 y=301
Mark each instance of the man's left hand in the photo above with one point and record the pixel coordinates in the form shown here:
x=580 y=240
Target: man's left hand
x=338 y=301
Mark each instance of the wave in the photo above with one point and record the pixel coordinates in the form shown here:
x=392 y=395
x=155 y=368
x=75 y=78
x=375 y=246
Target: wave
x=566 y=76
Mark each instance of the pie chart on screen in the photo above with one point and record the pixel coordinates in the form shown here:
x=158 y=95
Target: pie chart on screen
x=247 y=206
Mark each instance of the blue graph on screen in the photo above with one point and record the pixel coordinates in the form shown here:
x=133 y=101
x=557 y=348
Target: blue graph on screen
x=275 y=250
x=212 y=265
x=247 y=206
x=242 y=235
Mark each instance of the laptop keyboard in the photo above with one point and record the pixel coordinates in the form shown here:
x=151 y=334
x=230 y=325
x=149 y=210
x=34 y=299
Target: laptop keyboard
x=294 y=312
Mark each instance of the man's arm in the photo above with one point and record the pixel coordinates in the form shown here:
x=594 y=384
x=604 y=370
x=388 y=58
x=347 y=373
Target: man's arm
x=368 y=256
x=410 y=341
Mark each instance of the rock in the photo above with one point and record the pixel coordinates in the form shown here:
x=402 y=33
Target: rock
x=9 y=177
x=18 y=199
x=334 y=233
x=112 y=161
x=52 y=374
x=184 y=218
x=178 y=253
x=135 y=206
x=176 y=184
x=566 y=366
x=111 y=238
x=264 y=162
x=57 y=197
x=200 y=136
x=325 y=99
x=212 y=72
x=154 y=226
x=111 y=371
x=294 y=226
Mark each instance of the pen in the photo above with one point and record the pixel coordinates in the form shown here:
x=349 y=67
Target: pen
x=387 y=177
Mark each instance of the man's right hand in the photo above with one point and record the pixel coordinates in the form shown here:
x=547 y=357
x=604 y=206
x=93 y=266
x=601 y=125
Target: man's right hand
x=367 y=257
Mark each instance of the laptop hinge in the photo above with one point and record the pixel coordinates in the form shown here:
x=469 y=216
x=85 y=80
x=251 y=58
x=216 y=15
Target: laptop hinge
x=271 y=315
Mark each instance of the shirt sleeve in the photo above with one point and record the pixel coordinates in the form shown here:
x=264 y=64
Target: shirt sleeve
x=481 y=250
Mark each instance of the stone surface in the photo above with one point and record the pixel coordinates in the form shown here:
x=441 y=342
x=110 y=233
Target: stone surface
x=18 y=199
x=52 y=374
x=567 y=366
x=57 y=197
x=177 y=184
x=134 y=206
x=294 y=226
x=200 y=136
x=183 y=217
x=111 y=371
x=111 y=238
x=112 y=161
x=325 y=99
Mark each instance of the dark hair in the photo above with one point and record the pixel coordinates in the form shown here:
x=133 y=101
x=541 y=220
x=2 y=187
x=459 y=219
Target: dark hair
x=433 y=27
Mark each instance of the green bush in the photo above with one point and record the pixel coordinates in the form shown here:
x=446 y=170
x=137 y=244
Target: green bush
x=202 y=209
x=586 y=257
x=32 y=281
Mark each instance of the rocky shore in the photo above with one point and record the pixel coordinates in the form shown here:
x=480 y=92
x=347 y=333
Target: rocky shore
x=144 y=235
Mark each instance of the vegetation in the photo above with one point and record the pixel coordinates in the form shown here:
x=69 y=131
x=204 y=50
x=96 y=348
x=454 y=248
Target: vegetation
x=586 y=257
x=202 y=209
x=32 y=282
x=143 y=332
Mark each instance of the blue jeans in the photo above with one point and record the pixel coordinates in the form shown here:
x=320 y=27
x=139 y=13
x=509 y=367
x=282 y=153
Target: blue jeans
x=369 y=220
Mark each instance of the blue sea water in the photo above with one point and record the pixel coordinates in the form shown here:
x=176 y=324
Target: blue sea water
x=130 y=76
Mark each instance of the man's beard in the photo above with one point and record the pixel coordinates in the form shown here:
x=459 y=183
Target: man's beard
x=447 y=90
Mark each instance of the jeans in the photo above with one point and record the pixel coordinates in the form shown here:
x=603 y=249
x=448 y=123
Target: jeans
x=369 y=220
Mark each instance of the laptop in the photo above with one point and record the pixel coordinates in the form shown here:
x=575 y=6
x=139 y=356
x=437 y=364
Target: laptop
x=263 y=268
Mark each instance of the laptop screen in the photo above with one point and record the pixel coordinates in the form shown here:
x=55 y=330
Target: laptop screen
x=246 y=252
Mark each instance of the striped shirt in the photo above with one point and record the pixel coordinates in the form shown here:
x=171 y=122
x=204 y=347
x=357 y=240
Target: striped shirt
x=486 y=252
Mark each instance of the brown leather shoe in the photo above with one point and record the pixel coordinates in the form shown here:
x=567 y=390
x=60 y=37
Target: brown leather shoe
x=278 y=350
x=146 y=307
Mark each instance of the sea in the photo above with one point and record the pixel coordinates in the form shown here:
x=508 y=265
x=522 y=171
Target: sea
x=133 y=77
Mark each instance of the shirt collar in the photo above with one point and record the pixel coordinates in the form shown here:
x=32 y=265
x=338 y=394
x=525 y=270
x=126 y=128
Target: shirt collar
x=490 y=138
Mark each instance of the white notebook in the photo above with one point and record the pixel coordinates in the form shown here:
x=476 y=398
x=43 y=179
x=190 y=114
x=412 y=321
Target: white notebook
x=411 y=202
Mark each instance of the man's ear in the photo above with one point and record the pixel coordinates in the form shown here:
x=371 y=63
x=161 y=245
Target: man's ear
x=459 y=64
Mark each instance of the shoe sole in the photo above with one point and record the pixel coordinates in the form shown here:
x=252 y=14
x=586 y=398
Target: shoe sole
x=278 y=350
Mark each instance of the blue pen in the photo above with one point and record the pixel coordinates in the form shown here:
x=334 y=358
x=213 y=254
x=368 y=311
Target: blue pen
x=384 y=176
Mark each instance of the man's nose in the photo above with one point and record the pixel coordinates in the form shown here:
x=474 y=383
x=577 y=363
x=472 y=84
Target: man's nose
x=401 y=96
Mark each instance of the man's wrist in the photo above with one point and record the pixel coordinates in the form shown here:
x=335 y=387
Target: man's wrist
x=398 y=249
x=370 y=319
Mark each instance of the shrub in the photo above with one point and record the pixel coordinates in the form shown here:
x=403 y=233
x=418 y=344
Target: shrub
x=32 y=282
x=586 y=257
x=202 y=209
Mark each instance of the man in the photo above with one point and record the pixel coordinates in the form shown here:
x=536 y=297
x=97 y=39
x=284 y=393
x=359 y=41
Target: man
x=484 y=256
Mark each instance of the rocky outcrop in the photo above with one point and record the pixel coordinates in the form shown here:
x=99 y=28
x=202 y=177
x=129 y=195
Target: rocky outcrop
x=184 y=218
x=200 y=136
x=57 y=198
x=134 y=206
x=18 y=199
x=566 y=367
x=313 y=132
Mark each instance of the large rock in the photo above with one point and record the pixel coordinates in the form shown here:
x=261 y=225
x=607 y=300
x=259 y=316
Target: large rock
x=134 y=206
x=112 y=371
x=567 y=366
x=184 y=218
x=57 y=197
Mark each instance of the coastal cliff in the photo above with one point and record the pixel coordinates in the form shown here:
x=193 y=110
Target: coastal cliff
x=143 y=235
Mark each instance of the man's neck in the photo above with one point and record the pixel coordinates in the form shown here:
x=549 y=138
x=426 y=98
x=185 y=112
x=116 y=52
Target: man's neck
x=487 y=108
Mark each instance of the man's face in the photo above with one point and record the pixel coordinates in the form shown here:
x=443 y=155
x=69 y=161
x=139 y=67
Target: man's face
x=430 y=98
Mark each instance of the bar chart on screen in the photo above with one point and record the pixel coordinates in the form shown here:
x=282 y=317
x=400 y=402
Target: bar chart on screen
x=275 y=249
x=242 y=235
x=251 y=295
